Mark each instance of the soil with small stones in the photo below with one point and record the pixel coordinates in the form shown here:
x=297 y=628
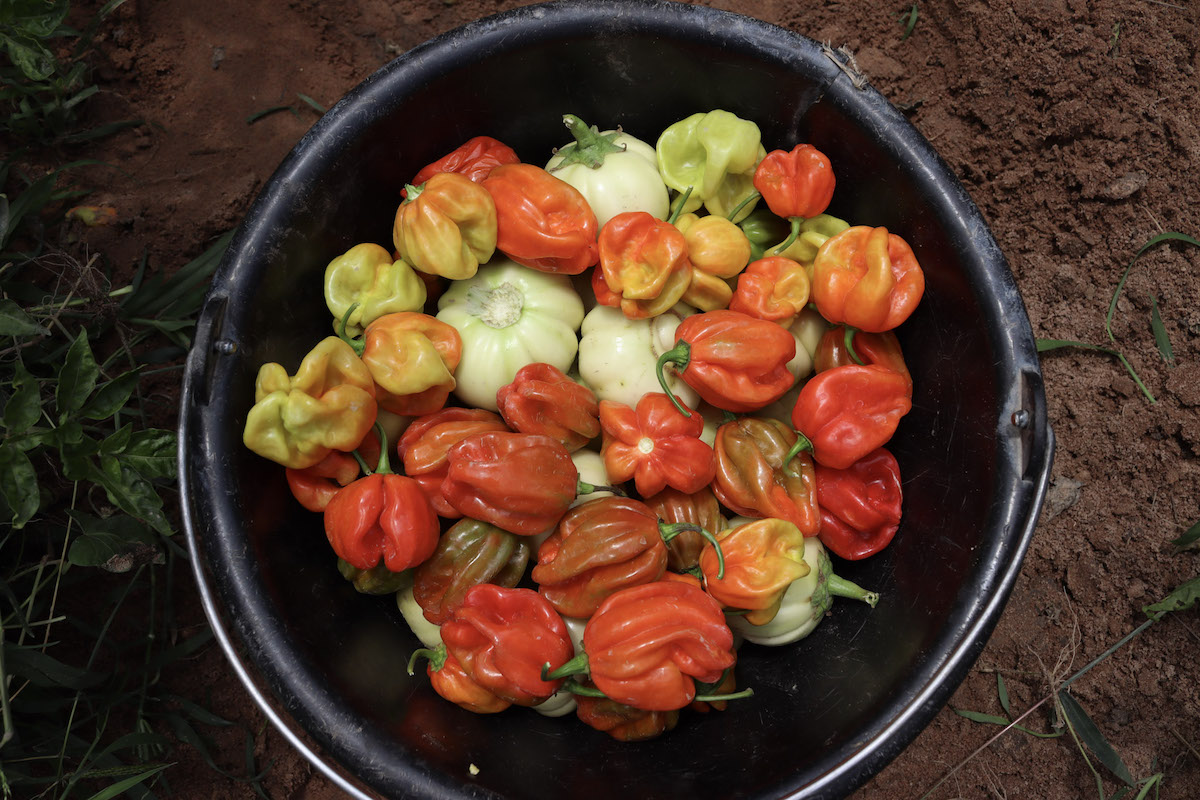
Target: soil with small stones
x=1074 y=126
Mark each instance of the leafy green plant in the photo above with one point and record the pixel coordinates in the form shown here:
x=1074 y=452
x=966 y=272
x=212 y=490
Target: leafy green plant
x=908 y=18
x=1161 y=339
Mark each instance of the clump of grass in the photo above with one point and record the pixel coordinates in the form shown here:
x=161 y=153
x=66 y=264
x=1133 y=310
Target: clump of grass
x=1162 y=340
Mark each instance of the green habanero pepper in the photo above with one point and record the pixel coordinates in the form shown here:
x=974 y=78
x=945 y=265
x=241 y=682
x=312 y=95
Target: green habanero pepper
x=700 y=153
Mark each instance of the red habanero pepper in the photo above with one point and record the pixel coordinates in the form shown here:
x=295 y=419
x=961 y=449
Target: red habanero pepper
x=795 y=185
x=655 y=445
x=382 y=516
x=541 y=399
x=773 y=288
x=842 y=345
x=867 y=278
x=503 y=637
x=847 y=412
x=698 y=508
x=734 y=361
x=599 y=548
x=424 y=445
x=520 y=482
x=860 y=505
x=543 y=222
x=474 y=158
x=313 y=487
x=647 y=646
x=758 y=475
x=621 y=722
x=762 y=558
x=469 y=553
x=451 y=682
x=644 y=260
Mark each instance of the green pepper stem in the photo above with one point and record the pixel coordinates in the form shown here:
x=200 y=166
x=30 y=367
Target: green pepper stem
x=840 y=587
x=791 y=236
x=358 y=344
x=669 y=531
x=590 y=147
x=436 y=656
x=362 y=465
x=583 y=487
x=848 y=339
x=575 y=687
x=578 y=665
x=802 y=444
x=411 y=192
x=679 y=355
x=385 y=465
x=715 y=698
x=750 y=198
x=677 y=207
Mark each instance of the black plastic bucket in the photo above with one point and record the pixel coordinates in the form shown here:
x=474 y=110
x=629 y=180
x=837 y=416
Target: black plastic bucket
x=328 y=664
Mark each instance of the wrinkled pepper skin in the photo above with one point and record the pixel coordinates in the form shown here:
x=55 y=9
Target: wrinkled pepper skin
x=544 y=222
x=424 y=445
x=446 y=227
x=412 y=357
x=860 y=505
x=644 y=261
x=707 y=151
x=621 y=722
x=647 y=646
x=698 y=508
x=382 y=517
x=752 y=479
x=474 y=159
x=368 y=276
x=847 y=412
x=880 y=349
x=542 y=399
x=313 y=487
x=734 y=361
x=775 y=289
x=520 y=482
x=868 y=278
x=762 y=558
x=502 y=636
x=718 y=250
x=798 y=183
x=329 y=404
x=469 y=553
x=599 y=548
x=451 y=682
x=377 y=580
x=655 y=446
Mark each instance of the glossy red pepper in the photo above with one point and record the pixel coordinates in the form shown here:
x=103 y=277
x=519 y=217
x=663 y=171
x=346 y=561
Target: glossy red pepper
x=867 y=278
x=847 y=412
x=382 y=516
x=424 y=445
x=520 y=482
x=698 y=508
x=621 y=722
x=598 y=548
x=542 y=221
x=734 y=361
x=648 y=646
x=503 y=637
x=762 y=558
x=655 y=445
x=469 y=553
x=474 y=158
x=313 y=487
x=541 y=399
x=840 y=344
x=755 y=477
x=451 y=681
x=796 y=183
x=860 y=505
x=773 y=288
x=644 y=261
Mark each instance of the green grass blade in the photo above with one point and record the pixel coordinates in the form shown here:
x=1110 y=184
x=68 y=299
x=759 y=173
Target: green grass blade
x=1169 y=236
x=320 y=109
x=1002 y=693
x=1189 y=537
x=120 y=787
x=1046 y=345
x=1091 y=736
x=1181 y=599
x=1161 y=339
x=266 y=112
x=979 y=716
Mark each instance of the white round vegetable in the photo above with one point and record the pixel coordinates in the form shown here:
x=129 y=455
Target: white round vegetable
x=618 y=355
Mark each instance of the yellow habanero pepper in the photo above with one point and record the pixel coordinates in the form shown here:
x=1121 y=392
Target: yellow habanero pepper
x=368 y=276
x=718 y=250
x=446 y=226
x=329 y=404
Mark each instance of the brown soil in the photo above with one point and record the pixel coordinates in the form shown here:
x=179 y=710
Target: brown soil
x=1074 y=125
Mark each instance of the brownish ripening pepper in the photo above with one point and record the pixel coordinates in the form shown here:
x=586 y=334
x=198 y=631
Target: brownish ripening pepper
x=762 y=558
x=469 y=553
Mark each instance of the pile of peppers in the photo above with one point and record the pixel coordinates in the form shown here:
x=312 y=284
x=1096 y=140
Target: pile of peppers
x=595 y=425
